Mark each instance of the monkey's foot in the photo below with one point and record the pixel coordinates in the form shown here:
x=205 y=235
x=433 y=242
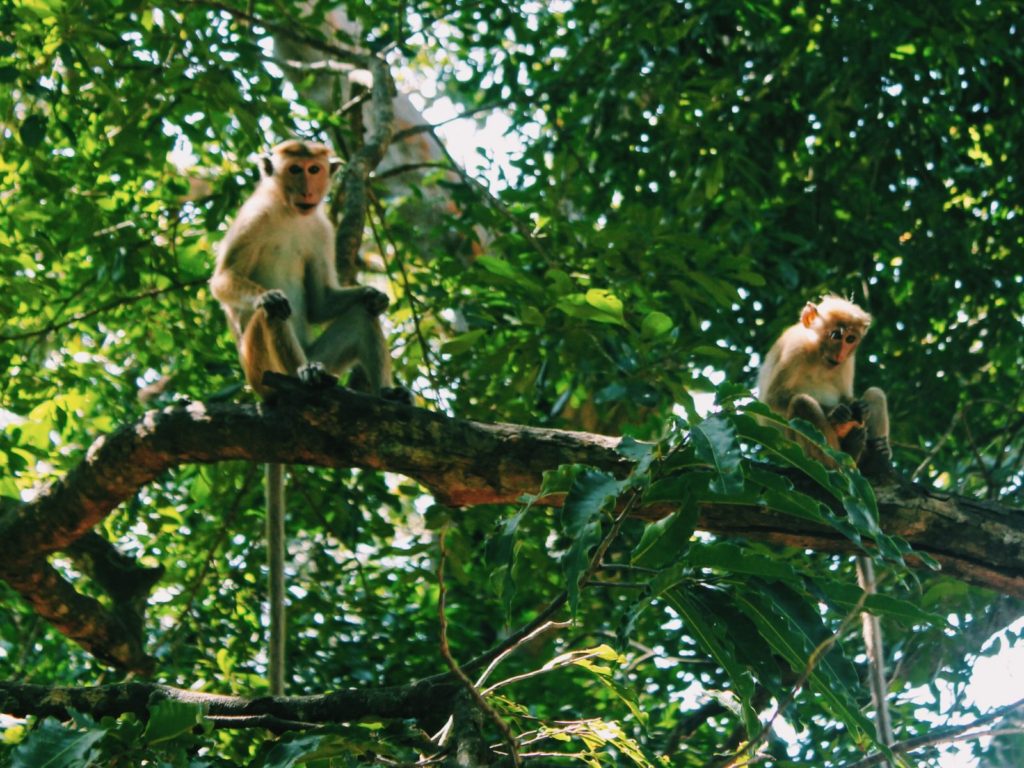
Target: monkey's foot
x=396 y=395
x=877 y=459
x=315 y=376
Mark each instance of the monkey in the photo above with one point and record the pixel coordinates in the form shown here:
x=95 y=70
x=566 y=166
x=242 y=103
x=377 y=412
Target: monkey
x=276 y=279
x=808 y=374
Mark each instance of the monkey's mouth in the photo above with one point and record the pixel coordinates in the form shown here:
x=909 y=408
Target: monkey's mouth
x=305 y=207
x=832 y=362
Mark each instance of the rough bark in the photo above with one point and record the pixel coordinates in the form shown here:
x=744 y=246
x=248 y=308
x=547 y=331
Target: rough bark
x=417 y=700
x=463 y=463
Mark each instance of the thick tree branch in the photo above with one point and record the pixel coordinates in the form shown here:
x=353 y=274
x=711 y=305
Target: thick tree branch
x=463 y=463
x=417 y=700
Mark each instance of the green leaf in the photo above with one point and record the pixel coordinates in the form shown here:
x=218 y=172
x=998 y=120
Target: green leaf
x=730 y=557
x=794 y=639
x=591 y=493
x=845 y=596
x=666 y=541
x=502 y=551
x=713 y=637
x=51 y=745
x=169 y=719
x=655 y=324
x=291 y=749
x=714 y=440
x=463 y=342
x=33 y=131
x=597 y=305
x=606 y=302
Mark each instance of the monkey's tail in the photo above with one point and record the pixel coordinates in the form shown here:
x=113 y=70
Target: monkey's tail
x=275 y=561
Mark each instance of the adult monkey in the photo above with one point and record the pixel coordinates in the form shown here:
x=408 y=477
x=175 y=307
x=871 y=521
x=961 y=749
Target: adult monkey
x=808 y=374
x=276 y=279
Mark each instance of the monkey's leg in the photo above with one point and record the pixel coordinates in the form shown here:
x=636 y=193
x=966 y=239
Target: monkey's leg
x=807 y=408
x=354 y=337
x=269 y=344
x=877 y=459
x=871 y=628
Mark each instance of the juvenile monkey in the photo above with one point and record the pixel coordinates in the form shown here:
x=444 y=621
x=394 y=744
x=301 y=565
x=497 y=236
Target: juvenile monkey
x=808 y=374
x=276 y=279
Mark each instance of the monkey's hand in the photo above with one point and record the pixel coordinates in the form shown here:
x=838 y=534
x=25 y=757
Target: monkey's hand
x=844 y=418
x=374 y=301
x=859 y=408
x=275 y=303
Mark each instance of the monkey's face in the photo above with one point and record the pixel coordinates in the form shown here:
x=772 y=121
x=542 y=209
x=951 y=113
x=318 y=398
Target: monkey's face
x=305 y=181
x=839 y=342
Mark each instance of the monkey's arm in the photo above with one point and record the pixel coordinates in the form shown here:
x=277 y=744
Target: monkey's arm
x=231 y=284
x=327 y=301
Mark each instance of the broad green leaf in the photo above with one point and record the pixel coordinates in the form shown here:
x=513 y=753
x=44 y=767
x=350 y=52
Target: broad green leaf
x=463 y=342
x=713 y=637
x=290 y=750
x=501 y=551
x=782 y=448
x=655 y=324
x=606 y=302
x=51 y=745
x=597 y=305
x=845 y=596
x=33 y=131
x=665 y=541
x=169 y=719
x=592 y=492
x=730 y=557
x=714 y=440
x=795 y=640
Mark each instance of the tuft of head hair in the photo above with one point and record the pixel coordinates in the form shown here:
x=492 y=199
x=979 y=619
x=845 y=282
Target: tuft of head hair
x=299 y=148
x=296 y=148
x=835 y=308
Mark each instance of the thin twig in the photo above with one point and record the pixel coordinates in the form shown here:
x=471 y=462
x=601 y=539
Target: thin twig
x=949 y=734
x=380 y=235
x=525 y=639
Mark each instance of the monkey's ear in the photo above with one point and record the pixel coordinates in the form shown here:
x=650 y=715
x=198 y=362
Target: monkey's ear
x=810 y=312
x=334 y=164
x=266 y=165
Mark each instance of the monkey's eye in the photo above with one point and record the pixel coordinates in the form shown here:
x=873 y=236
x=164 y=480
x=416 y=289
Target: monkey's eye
x=836 y=335
x=295 y=170
x=314 y=169
x=851 y=339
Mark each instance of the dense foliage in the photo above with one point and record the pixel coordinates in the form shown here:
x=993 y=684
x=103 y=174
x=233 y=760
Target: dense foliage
x=690 y=174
